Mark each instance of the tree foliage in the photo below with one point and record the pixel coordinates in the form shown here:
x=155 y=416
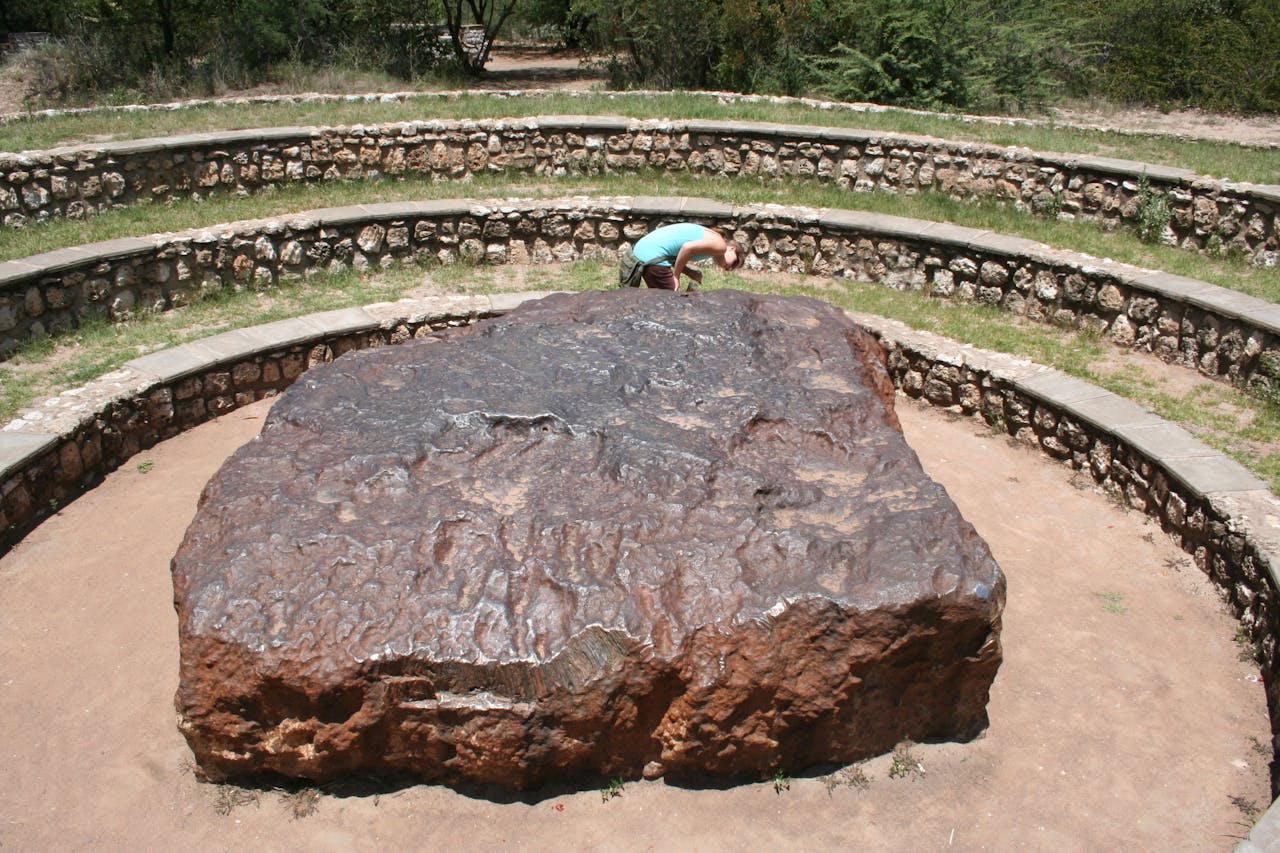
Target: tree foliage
x=1219 y=54
x=669 y=44
x=998 y=55
x=489 y=14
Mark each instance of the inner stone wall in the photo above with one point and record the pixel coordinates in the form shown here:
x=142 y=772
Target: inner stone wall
x=1206 y=213
x=1217 y=332
x=1220 y=515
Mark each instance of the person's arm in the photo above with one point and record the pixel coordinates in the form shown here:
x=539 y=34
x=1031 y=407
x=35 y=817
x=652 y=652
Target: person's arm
x=710 y=244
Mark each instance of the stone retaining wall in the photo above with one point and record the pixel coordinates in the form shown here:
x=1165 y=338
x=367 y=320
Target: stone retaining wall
x=65 y=446
x=77 y=181
x=1218 y=512
x=1218 y=332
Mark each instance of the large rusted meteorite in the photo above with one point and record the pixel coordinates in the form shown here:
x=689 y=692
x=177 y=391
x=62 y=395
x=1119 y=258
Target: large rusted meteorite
x=605 y=531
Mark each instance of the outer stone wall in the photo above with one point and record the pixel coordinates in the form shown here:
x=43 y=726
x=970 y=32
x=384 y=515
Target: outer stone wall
x=78 y=181
x=1218 y=332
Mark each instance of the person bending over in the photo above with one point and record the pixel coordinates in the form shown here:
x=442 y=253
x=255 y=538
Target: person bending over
x=665 y=253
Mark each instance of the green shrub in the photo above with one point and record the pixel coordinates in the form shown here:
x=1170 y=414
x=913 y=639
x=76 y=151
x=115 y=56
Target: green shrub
x=1217 y=54
x=1154 y=211
x=667 y=44
x=972 y=54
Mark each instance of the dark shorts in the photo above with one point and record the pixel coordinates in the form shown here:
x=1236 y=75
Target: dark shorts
x=660 y=277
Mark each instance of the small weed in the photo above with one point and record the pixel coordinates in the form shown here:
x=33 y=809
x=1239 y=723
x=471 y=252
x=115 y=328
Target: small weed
x=1178 y=617
x=1250 y=649
x=145 y=467
x=1049 y=204
x=302 y=803
x=53 y=504
x=781 y=782
x=1259 y=747
x=1117 y=498
x=1265 y=384
x=228 y=798
x=904 y=763
x=613 y=789
x=851 y=777
x=1247 y=807
x=1112 y=602
x=1153 y=212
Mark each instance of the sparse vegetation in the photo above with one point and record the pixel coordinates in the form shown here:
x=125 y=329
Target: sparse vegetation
x=1153 y=212
x=1250 y=650
x=853 y=776
x=1247 y=807
x=615 y=788
x=228 y=798
x=904 y=764
x=1081 y=236
x=301 y=803
x=781 y=782
x=1112 y=602
x=1222 y=159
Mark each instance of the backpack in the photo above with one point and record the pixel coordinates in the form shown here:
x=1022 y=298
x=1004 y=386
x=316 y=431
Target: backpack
x=631 y=270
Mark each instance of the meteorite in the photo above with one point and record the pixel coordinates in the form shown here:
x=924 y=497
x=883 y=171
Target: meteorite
x=605 y=533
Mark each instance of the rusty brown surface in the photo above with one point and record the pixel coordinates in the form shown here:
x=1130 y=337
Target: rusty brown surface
x=605 y=533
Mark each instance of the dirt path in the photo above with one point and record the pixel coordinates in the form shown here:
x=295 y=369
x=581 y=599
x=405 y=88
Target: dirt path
x=1122 y=715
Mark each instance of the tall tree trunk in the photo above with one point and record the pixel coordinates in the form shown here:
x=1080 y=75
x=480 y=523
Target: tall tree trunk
x=164 y=9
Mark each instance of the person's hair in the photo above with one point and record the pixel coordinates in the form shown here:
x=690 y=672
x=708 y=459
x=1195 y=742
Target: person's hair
x=738 y=257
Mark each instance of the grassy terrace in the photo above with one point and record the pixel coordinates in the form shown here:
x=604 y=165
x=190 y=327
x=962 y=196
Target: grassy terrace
x=1242 y=426
x=1259 y=165
x=1230 y=272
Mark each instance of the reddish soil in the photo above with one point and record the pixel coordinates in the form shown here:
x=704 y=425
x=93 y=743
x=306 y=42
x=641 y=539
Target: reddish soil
x=1122 y=716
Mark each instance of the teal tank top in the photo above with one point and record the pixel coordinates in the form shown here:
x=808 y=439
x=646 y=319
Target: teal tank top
x=666 y=241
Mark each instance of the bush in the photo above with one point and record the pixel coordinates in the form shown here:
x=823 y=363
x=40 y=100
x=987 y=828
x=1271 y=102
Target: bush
x=1216 y=54
x=906 y=59
x=667 y=44
x=971 y=54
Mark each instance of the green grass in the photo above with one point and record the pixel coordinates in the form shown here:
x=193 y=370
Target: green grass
x=1246 y=428
x=1221 y=159
x=1121 y=245
x=1112 y=602
x=1223 y=417
x=44 y=367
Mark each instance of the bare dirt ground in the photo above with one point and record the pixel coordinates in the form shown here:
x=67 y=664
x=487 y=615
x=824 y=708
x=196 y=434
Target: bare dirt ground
x=1123 y=715
x=1196 y=124
x=541 y=68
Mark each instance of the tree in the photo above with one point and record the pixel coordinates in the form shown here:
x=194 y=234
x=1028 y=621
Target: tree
x=975 y=54
x=1219 y=54
x=670 y=44
x=491 y=15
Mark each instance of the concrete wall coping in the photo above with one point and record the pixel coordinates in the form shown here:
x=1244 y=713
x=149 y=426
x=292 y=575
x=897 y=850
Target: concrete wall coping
x=1129 y=169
